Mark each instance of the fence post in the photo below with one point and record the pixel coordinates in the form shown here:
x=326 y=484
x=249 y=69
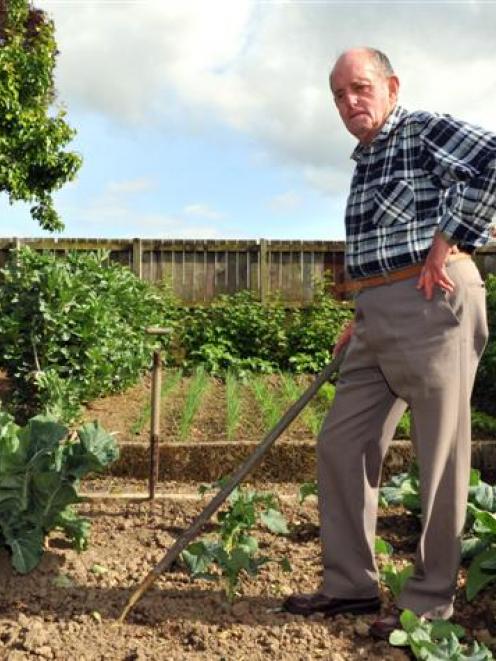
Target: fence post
x=264 y=270
x=138 y=258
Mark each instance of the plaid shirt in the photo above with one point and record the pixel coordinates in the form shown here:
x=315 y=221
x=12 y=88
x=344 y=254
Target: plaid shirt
x=421 y=173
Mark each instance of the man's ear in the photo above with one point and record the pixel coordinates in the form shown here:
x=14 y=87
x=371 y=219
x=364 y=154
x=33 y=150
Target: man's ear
x=394 y=88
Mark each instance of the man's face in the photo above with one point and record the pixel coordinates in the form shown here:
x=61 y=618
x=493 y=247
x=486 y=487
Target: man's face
x=364 y=96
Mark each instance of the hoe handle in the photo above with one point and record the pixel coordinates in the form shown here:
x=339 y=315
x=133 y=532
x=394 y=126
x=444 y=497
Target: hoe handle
x=251 y=462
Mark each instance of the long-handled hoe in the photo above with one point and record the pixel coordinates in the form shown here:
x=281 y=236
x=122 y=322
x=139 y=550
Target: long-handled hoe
x=245 y=468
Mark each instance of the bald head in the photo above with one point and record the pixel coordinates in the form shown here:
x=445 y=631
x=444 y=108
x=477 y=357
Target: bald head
x=365 y=91
x=377 y=58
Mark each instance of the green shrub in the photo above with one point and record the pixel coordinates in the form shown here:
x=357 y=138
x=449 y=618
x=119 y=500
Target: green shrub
x=235 y=331
x=238 y=332
x=72 y=329
x=313 y=331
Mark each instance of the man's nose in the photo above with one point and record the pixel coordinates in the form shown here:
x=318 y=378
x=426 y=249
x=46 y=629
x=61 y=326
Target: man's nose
x=351 y=100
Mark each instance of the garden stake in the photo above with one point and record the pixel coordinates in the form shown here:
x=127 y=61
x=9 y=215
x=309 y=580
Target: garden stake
x=155 y=417
x=155 y=423
x=251 y=462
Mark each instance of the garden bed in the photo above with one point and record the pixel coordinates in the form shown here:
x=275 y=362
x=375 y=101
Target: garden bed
x=262 y=400
x=66 y=608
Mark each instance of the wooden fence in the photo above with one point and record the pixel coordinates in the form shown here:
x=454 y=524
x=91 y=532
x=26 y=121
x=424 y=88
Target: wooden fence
x=199 y=270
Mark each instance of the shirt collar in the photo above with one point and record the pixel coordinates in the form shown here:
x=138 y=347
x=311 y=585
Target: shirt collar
x=392 y=122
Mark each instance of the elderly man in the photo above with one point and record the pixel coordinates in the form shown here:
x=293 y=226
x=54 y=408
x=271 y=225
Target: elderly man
x=422 y=198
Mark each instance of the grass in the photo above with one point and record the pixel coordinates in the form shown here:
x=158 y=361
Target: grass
x=192 y=403
x=171 y=380
x=233 y=405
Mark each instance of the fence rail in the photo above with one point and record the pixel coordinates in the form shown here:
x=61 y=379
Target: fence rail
x=199 y=270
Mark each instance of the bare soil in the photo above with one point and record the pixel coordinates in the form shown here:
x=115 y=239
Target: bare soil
x=67 y=608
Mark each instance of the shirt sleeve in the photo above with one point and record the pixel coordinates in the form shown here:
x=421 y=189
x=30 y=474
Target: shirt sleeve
x=462 y=160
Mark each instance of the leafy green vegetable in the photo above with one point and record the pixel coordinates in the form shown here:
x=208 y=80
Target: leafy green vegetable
x=39 y=475
x=394 y=578
x=435 y=640
x=233 y=551
x=402 y=489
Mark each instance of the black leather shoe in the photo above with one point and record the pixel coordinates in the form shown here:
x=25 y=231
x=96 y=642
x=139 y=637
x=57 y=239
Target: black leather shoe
x=308 y=604
x=383 y=627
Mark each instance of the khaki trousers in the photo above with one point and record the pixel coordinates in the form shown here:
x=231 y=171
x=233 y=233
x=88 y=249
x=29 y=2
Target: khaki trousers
x=424 y=354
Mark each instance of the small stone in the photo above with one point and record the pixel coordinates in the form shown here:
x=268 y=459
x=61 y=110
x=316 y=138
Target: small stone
x=362 y=628
x=45 y=651
x=23 y=620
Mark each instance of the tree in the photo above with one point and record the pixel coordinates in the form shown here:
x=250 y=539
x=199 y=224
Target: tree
x=33 y=163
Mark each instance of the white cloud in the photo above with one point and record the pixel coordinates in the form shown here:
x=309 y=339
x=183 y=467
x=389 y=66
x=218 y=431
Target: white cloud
x=131 y=186
x=285 y=202
x=203 y=211
x=262 y=67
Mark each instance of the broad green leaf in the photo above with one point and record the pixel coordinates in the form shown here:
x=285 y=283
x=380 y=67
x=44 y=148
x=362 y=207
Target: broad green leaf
x=409 y=621
x=95 y=451
x=445 y=628
x=274 y=521
x=197 y=557
x=472 y=546
x=382 y=547
x=27 y=548
x=76 y=527
x=249 y=544
x=484 y=497
x=398 y=638
x=477 y=578
x=238 y=561
x=485 y=523
x=43 y=435
x=50 y=495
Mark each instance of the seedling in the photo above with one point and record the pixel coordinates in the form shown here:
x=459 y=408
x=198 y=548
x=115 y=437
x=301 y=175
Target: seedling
x=233 y=551
x=194 y=396
x=169 y=384
x=395 y=578
x=307 y=489
x=233 y=404
x=270 y=405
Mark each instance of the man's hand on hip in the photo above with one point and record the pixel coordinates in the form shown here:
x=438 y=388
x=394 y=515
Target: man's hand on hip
x=344 y=338
x=434 y=272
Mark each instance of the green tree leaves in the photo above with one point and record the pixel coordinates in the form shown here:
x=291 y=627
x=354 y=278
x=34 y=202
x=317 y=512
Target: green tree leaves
x=33 y=162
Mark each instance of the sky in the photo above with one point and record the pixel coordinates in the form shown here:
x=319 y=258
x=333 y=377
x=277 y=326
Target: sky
x=212 y=119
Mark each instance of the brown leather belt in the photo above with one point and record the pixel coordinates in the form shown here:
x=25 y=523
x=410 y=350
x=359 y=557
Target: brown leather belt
x=387 y=278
